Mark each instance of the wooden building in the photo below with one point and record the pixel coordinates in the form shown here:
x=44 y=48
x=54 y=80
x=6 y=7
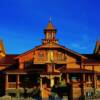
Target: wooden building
x=53 y=61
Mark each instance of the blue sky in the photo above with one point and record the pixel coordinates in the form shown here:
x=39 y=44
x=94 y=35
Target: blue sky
x=22 y=23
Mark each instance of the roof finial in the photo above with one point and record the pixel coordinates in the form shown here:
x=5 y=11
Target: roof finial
x=50 y=19
x=50 y=25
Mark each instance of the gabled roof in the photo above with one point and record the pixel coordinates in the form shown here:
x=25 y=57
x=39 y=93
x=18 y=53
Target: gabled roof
x=74 y=70
x=2 y=49
x=55 y=46
x=62 y=47
x=73 y=52
x=8 y=59
x=94 y=57
x=7 y=62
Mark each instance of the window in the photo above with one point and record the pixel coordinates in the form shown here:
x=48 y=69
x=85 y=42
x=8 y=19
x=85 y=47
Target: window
x=49 y=35
x=75 y=77
x=28 y=64
x=41 y=55
x=21 y=78
x=98 y=78
x=12 y=78
x=60 y=56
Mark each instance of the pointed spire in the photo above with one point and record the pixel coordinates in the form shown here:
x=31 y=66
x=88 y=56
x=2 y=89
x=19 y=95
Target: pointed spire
x=50 y=26
x=2 y=49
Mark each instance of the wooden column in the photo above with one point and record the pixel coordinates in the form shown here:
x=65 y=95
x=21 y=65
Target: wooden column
x=49 y=68
x=84 y=83
x=68 y=78
x=17 y=81
x=50 y=77
x=83 y=77
x=41 y=86
x=94 y=79
x=51 y=82
x=89 y=78
x=95 y=82
x=60 y=78
x=6 y=81
x=21 y=66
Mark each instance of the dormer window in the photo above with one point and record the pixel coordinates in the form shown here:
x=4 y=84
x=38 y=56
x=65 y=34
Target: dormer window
x=40 y=55
x=28 y=64
x=59 y=56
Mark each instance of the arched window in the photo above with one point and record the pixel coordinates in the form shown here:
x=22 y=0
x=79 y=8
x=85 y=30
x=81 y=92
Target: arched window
x=12 y=78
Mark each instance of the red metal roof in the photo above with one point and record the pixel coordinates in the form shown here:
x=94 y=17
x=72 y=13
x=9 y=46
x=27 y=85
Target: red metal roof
x=8 y=59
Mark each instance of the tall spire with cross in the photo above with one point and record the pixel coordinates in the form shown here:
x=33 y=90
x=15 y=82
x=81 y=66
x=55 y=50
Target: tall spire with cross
x=50 y=33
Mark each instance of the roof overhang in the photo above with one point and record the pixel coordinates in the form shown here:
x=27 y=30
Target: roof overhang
x=57 y=46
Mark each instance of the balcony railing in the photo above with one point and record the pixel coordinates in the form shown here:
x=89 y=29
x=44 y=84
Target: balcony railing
x=12 y=85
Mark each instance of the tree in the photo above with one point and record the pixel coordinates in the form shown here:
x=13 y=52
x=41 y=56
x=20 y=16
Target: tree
x=29 y=81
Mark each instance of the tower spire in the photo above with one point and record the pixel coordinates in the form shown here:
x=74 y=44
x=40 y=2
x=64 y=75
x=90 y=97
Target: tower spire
x=50 y=26
x=50 y=33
